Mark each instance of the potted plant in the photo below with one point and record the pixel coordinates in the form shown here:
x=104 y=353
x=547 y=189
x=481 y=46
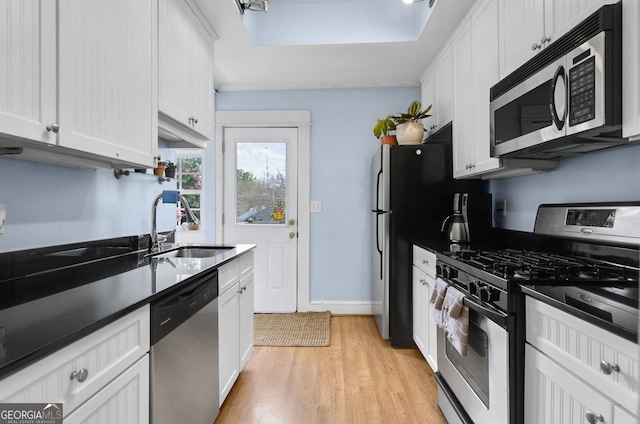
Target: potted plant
x=408 y=129
x=382 y=128
x=159 y=169
x=193 y=226
x=170 y=170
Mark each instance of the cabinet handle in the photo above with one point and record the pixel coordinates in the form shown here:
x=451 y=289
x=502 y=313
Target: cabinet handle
x=607 y=368
x=425 y=262
x=81 y=375
x=195 y=120
x=544 y=40
x=54 y=128
x=536 y=46
x=592 y=417
x=423 y=281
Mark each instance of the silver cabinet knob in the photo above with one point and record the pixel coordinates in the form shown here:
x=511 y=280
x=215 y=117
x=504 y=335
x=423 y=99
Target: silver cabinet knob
x=536 y=46
x=425 y=262
x=544 y=40
x=423 y=281
x=195 y=120
x=607 y=368
x=54 y=128
x=79 y=375
x=593 y=418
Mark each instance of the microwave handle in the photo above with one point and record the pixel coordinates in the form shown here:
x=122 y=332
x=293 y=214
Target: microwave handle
x=559 y=76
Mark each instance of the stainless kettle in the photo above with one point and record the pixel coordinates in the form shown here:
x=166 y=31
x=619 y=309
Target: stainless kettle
x=458 y=228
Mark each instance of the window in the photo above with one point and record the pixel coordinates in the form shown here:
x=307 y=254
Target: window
x=190 y=183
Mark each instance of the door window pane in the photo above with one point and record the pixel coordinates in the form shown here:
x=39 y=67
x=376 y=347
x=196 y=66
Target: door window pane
x=261 y=182
x=189 y=179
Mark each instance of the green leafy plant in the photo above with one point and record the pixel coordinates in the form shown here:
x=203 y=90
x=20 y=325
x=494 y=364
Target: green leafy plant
x=413 y=114
x=170 y=164
x=384 y=126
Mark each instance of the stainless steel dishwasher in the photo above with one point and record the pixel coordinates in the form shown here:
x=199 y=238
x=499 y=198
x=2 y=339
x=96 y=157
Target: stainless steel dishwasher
x=184 y=354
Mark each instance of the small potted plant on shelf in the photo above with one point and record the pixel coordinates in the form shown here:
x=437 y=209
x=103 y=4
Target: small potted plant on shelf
x=159 y=169
x=408 y=129
x=382 y=128
x=170 y=170
x=193 y=226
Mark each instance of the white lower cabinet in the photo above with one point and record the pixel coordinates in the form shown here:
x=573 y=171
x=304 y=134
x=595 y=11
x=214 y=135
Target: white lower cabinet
x=424 y=280
x=235 y=320
x=93 y=376
x=576 y=372
x=123 y=401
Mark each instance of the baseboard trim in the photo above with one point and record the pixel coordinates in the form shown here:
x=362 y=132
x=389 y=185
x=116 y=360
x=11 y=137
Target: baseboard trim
x=337 y=307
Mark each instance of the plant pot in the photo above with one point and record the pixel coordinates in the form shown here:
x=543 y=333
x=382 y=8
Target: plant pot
x=410 y=133
x=159 y=171
x=170 y=172
x=193 y=227
x=389 y=139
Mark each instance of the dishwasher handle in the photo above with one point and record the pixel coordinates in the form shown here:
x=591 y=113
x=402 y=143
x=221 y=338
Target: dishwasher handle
x=173 y=309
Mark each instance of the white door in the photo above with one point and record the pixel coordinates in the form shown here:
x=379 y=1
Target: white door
x=260 y=207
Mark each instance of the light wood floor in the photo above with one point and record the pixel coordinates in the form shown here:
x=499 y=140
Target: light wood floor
x=357 y=379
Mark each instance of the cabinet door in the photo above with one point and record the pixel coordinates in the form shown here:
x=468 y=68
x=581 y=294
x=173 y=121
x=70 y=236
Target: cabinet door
x=246 y=318
x=561 y=16
x=428 y=97
x=521 y=27
x=420 y=303
x=125 y=400
x=463 y=112
x=28 y=69
x=485 y=56
x=621 y=416
x=444 y=88
x=185 y=71
x=107 y=63
x=557 y=396
x=228 y=339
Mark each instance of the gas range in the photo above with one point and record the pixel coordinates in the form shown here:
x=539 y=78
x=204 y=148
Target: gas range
x=583 y=257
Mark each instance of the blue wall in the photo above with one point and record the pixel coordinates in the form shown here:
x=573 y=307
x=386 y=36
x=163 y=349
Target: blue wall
x=50 y=205
x=612 y=175
x=342 y=144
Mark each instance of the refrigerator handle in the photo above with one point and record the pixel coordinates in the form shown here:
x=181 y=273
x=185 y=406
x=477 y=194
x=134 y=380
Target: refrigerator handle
x=378 y=190
x=378 y=243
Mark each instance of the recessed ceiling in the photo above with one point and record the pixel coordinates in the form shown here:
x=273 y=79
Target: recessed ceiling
x=241 y=64
x=314 y=22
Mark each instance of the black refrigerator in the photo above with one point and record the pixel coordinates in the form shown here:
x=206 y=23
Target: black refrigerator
x=412 y=193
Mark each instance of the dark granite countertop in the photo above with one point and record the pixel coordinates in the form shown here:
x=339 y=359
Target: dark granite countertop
x=50 y=298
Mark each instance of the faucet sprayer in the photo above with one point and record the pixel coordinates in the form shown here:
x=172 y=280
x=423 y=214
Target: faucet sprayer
x=167 y=196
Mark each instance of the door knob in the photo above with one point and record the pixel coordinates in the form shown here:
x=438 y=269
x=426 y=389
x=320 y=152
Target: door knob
x=292 y=235
x=292 y=222
x=53 y=128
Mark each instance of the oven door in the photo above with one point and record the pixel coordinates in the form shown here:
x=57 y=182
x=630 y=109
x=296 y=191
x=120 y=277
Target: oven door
x=476 y=387
x=531 y=112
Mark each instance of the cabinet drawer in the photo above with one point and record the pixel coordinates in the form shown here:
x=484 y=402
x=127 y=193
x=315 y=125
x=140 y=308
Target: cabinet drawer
x=245 y=264
x=104 y=354
x=581 y=347
x=227 y=276
x=424 y=260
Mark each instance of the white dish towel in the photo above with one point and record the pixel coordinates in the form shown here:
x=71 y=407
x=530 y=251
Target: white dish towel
x=436 y=301
x=455 y=320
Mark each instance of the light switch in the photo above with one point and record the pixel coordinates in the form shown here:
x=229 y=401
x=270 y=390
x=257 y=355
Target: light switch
x=3 y=216
x=315 y=206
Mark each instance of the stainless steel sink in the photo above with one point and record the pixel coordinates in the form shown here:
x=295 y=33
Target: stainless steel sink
x=192 y=252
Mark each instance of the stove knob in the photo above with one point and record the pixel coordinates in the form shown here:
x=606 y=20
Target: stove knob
x=485 y=293
x=453 y=273
x=473 y=288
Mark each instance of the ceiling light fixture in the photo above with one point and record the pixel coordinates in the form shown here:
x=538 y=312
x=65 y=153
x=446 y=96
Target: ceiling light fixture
x=255 y=5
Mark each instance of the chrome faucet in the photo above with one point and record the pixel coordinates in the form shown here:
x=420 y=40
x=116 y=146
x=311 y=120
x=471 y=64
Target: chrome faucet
x=167 y=196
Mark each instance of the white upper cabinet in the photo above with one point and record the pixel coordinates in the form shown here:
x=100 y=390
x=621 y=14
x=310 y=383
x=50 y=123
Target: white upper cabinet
x=185 y=74
x=475 y=70
x=437 y=90
x=528 y=26
x=28 y=69
x=80 y=76
x=631 y=69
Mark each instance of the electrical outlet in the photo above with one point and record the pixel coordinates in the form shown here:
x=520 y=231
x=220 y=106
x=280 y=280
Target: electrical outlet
x=503 y=207
x=315 y=206
x=3 y=216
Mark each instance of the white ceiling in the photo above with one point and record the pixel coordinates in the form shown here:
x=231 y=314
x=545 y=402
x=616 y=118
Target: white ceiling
x=241 y=65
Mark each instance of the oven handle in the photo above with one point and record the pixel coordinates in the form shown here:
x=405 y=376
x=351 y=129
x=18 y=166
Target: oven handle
x=505 y=321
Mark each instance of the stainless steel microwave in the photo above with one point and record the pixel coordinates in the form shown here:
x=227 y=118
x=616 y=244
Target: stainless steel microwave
x=567 y=100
